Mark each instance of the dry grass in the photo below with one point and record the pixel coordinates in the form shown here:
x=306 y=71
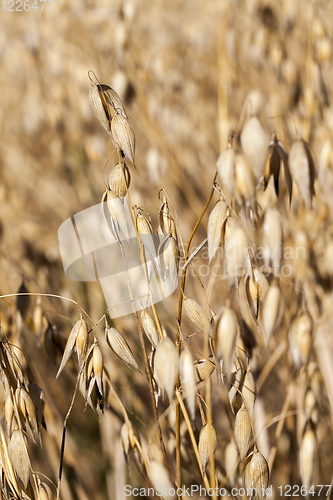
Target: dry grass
x=189 y=75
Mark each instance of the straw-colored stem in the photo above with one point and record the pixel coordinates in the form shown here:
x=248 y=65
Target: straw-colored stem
x=62 y=449
x=193 y=441
x=182 y=286
x=180 y=305
x=141 y=335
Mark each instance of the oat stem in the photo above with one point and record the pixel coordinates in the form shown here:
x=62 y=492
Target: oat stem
x=180 y=305
x=139 y=327
x=62 y=449
x=193 y=441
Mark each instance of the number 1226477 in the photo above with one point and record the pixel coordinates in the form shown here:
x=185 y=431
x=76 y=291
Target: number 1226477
x=297 y=491
x=25 y=5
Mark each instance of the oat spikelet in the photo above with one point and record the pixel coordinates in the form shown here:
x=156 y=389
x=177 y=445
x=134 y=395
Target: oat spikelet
x=315 y=378
x=113 y=99
x=277 y=154
x=119 y=180
x=249 y=391
x=82 y=341
x=236 y=380
x=120 y=347
x=215 y=223
x=169 y=261
x=244 y=180
x=31 y=416
x=272 y=311
x=145 y=231
x=123 y=136
x=115 y=214
x=167 y=226
x=272 y=239
x=70 y=345
x=19 y=456
x=101 y=112
x=97 y=365
x=160 y=479
x=311 y=407
x=167 y=365
x=309 y=457
x=255 y=145
x=196 y=314
x=227 y=331
x=207 y=444
x=303 y=170
x=203 y=369
x=149 y=328
x=226 y=171
x=256 y=474
x=243 y=431
x=261 y=283
x=9 y=412
x=38 y=399
x=44 y=492
x=187 y=375
x=237 y=256
x=300 y=339
x=124 y=437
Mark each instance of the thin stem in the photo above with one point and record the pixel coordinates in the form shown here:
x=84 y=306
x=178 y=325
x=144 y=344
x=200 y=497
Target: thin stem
x=180 y=305
x=182 y=287
x=48 y=295
x=139 y=327
x=193 y=441
x=62 y=450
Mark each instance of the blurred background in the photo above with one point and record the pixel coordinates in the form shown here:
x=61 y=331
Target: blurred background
x=184 y=70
